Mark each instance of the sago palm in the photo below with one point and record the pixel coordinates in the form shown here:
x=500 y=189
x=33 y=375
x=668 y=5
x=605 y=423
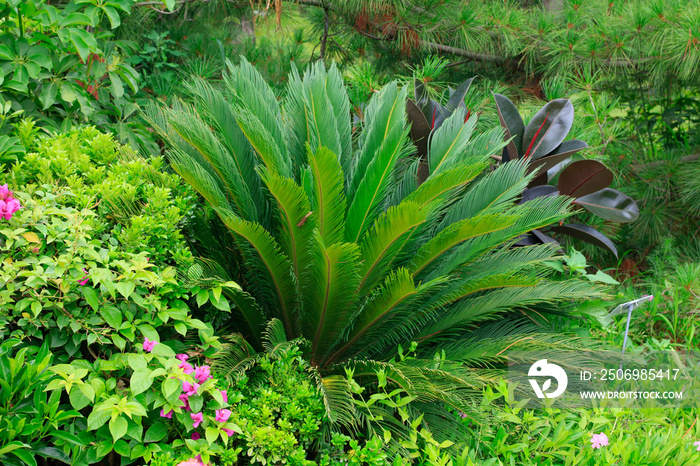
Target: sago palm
x=334 y=237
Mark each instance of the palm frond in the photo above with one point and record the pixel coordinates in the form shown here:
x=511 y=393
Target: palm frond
x=448 y=142
x=333 y=298
x=272 y=263
x=385 y=142
x=328 y=195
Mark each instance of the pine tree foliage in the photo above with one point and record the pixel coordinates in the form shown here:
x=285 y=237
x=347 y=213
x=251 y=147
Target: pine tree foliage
x=659 y=38
x=328 y=248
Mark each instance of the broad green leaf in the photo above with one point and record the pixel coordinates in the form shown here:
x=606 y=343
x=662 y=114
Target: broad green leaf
x=5 y=53
x=114 y=20
x=156 y=432
x=116 y=86
x=97 y=419
x=118 y=427
x=75 y=19
x=48 y=94
x=212 y=433
x=141 y=380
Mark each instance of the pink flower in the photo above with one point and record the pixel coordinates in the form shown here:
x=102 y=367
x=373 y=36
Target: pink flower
x=185 y=399
x=8 y=207
x=192 y=462
x=197 y=418
x=599 y=440
x=229 y=432
x=85 y=279
x=186 y=367
x=4 y=192
x=196 y=436
x=224 y=396
x=182 y=357
x=190 y=389
x=462 y=415
x=697 y=445
x=222 y=415
x=169 y=415
x=148 y=345
x=201 y=373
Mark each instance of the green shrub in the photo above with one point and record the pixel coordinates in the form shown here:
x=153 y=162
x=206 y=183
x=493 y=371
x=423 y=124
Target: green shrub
x=136 y=202
x=81 y=294
x=550 y=436
x=31 y=421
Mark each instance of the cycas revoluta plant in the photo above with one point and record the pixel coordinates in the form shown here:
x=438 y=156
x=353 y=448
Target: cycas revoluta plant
x=541 y=144
x=336 y=240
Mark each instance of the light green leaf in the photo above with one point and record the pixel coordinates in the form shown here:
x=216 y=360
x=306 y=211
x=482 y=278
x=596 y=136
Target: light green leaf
x=118 y=427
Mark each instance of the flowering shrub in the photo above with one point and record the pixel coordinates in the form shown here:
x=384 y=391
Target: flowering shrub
x=8 y=204
x=85 y=296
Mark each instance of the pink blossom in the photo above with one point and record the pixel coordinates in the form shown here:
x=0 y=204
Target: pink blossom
x=4 y=192
x=182 y=357
x=8 y=207
x=185 y=399
x=169 y=415
x=224 y=395
x=197 y=418
x=222 y=415
x=196 y=436
x=462 y=415
x=186 y=367
x=192 y=462
x=697 y=445
x=148 y=345
x=85 y=279
x=229 y=432
x=201 y=373
x=599 y=440
x=189 y=388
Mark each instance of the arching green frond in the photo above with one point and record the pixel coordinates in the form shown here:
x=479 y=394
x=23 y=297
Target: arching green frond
x=397 y=294
x=328 y=195
x=251 y=313
x=271 y=155
x=483 y=306
x=486 y=144
x=296 y=225
x=338 y=95
x=448 y=142
x=456 y=234
x=370 y=196
x=447 y=183
x=234 y=357
x=386 y=238
x=247 y=85
x=274 y=265
x=317 y=108
x=338 y=400
x=217 y=112
x=494 y=192
x=385 y=113
x=199 y=178
x=334 y=296
x=198 y=134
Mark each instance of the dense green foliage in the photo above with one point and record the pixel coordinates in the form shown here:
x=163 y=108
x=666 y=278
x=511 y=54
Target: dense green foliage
x=332 y=266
